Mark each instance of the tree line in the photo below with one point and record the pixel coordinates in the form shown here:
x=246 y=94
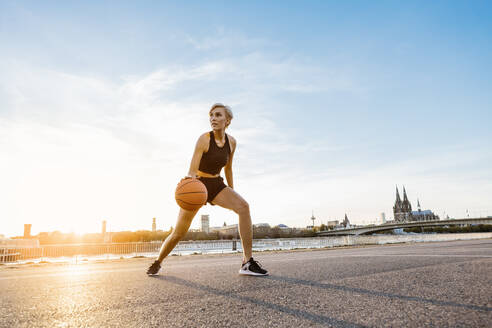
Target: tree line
x=57 y=237
x=452 y=229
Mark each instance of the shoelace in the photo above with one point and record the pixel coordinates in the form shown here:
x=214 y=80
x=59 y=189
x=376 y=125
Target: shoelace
x=257 y=263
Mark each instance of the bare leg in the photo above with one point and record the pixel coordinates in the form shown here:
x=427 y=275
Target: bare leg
x=230 y=199
x=182 y=225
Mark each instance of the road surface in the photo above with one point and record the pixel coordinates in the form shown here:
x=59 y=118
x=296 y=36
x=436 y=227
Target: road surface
x=446 y=284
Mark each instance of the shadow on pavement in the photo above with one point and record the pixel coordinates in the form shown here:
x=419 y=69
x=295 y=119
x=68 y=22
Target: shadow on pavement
x=376 y=293
x=298 y=313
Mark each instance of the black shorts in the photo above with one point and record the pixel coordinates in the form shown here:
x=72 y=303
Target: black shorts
x=214 y=186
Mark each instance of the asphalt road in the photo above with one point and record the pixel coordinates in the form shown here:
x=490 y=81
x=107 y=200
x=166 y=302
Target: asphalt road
x=445 y=284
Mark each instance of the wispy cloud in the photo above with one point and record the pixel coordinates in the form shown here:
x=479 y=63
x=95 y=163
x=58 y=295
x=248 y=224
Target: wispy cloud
x=92 y=148
x=226 y=40
x=91 y=137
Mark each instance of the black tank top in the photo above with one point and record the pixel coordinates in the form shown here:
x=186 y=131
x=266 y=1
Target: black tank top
x=215 y=158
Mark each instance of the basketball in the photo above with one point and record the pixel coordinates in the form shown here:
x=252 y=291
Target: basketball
x=191 y=194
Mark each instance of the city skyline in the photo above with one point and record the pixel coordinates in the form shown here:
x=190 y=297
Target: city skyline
x=101 y=106
x=199 y=226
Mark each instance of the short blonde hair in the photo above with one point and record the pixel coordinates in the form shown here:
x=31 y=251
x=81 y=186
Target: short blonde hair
x=227 y=109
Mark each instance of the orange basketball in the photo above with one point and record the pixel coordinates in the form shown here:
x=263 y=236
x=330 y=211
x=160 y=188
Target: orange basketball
x=191 y=194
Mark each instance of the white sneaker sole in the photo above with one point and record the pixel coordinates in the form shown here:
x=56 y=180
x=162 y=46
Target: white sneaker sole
x=250 y=273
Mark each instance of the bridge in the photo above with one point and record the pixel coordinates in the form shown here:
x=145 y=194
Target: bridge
x=399 y=225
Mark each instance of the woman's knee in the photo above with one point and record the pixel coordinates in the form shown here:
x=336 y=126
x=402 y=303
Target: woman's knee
x=177 y=235
x=242 y=208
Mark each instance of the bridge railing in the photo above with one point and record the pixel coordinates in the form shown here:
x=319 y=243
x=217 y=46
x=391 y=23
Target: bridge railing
x=406 y=224
x=15 y=254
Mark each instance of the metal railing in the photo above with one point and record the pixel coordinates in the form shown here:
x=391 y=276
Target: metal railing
x=113 y=250
x=148 y=249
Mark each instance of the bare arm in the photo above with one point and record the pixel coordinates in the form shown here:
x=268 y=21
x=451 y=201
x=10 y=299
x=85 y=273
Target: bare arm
x=228 y=167
x=200 y=148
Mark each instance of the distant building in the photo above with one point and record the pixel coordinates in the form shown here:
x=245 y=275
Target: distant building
x=106 y=235
x=27 y=230
x=205 y=224
x=154 y=225
x=403 y=210
x=229 y=231
x=332 y=224
x=425 y=215
x=261 y=228
x=313 y=218
x=383 y=217
x=346 y=222
x=283 y=229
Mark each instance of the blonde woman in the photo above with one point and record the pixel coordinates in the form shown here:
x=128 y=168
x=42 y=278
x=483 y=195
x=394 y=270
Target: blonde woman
x=214 y=150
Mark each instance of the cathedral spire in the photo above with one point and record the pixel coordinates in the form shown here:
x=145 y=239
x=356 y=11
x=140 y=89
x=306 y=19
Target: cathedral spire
x=407 y=207
x=346 y=222
x=418 y=204
x=398 y=200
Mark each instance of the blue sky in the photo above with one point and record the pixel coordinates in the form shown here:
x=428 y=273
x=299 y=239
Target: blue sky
x=335 y=103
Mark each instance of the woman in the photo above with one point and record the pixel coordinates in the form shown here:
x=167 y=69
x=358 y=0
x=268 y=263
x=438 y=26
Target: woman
x=213 y=151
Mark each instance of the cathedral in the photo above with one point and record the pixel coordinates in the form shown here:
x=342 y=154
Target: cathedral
x=403 y=210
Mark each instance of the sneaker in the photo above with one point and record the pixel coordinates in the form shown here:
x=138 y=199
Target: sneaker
x=252 y=268
x=154 y=268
